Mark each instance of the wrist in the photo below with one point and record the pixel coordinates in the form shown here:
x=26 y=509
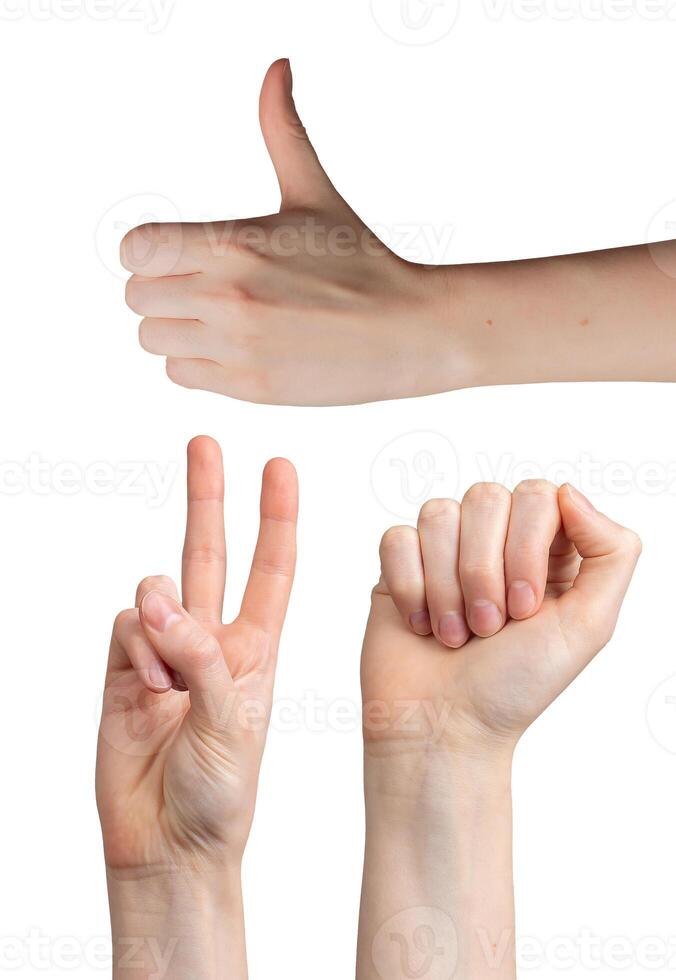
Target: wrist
x=171 y=924
x=438 y=784
x=438 y=860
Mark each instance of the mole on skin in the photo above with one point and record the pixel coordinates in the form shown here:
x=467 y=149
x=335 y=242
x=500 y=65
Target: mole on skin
x=584 y=322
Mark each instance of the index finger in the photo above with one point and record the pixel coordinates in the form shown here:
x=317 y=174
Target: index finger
x=267 y=592
x=204 y=548
x=164 y=249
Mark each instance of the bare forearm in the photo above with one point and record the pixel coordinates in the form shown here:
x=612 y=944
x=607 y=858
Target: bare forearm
x=179 y=926
x=438 y=869
x=597 y=316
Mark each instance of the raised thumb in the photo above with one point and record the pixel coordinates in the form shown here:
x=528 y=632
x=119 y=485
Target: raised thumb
x=302 y=179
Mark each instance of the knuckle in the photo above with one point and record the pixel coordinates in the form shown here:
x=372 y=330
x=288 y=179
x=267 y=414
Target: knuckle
x=437 y=511
x=479 y=573
x=133 y=294
x=395 y=538
x=526 y=554
x=155 y=583
x=536 y=487
x=632 y=543
x=136 y=244
x=229 y=296
x=176 y=371
x=488 y=494
x=205 y=555
x=124 y=620
x=202 y=648
x=602 y=629
x=145 y=336
x=280 y=566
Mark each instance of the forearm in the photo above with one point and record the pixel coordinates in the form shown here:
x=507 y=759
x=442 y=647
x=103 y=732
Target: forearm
x=438 y=868
x=597 y=316
x=178 y=926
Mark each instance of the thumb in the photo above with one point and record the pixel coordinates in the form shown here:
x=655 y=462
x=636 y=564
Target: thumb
x=191 y=651
x=302 y=179
x=609 y=554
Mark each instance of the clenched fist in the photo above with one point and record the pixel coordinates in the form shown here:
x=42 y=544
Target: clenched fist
x=482 y=616
x=488 y=610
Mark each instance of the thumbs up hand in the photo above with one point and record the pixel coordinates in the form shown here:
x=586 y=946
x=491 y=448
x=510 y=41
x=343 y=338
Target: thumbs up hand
x=304 y=307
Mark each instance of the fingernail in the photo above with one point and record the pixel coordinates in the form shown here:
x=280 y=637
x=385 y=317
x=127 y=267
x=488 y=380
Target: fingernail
x=580 y=500
x=288 y=75
x=485 y=617
x=158 y=677
x=420 y=623
x=520 y=600
x=453 y=629
x=160 y=611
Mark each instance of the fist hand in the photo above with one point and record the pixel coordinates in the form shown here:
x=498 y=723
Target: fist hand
x=304 y=307
x=187 y=699
x=487 y=611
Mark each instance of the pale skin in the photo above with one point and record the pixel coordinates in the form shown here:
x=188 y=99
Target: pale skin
x=184 y=722
x=444 y=710
x=308 y=307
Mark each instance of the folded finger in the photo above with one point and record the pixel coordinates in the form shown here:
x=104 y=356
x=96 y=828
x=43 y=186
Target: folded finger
x=171 y=296
x=174 y=338
x=404 y=577
x=191 y=651
x=439 y=532
x=483 y=531
x=533 y=524
x=157 y=249
x=130 y=647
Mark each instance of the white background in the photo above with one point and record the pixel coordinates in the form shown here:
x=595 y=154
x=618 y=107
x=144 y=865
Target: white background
x=525 y=130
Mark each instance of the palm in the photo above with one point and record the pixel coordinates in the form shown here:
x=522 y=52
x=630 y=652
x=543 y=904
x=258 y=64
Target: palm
x=166 y=781
x=177 y=772
x=498 y=685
